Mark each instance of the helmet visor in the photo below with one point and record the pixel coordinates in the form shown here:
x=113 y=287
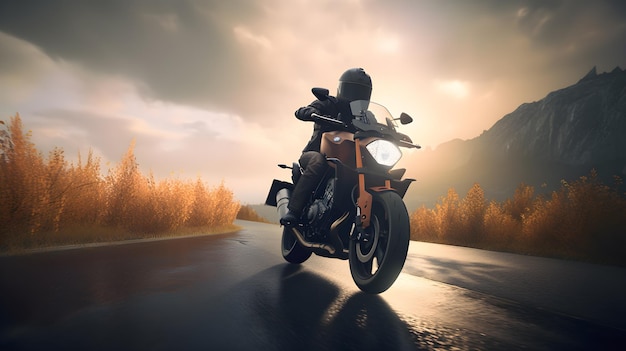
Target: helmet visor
x=352 y=91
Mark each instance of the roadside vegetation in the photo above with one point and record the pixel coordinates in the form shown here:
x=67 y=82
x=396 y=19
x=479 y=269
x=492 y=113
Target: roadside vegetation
x=48 y=201
x=583 y=220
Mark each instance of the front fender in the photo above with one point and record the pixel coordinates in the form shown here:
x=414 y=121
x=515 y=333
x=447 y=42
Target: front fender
x=401 y=186
x=398 y=186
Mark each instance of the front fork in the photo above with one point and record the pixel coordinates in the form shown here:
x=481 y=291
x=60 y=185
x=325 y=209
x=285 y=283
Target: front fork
x=364 y=201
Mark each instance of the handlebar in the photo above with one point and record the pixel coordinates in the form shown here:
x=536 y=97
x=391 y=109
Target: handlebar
x=402 y=141
x=327 y=119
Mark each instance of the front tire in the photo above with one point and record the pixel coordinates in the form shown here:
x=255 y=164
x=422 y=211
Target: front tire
x=376 y=264
x=292 y=251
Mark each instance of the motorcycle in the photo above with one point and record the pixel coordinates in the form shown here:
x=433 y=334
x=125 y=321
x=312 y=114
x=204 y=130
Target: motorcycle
x=356 y=212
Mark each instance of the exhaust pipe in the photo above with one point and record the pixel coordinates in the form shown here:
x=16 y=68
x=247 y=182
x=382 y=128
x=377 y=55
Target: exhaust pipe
x=282 y=200
x=311 y=245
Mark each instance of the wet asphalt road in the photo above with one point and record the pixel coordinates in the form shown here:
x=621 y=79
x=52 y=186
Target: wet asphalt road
x=235 y=292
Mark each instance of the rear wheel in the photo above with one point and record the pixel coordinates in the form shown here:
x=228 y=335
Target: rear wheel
x=292 y=251
x=375 y=263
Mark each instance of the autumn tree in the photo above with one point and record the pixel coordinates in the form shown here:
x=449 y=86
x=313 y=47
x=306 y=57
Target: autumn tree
x=472 y=212
x=21 y=180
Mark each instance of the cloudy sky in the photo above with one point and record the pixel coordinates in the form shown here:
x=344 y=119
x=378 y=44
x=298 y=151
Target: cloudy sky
x=208 y=87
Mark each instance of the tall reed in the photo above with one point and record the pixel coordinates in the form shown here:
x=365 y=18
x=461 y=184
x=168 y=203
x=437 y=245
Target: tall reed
x=584 y=220
x=44 y=198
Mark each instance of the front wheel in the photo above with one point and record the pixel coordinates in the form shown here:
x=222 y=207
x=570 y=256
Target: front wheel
x=293 y=251
x=375 y=263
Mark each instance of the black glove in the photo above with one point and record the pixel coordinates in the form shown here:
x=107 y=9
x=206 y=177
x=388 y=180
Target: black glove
x=346 y=119
x=304 y=113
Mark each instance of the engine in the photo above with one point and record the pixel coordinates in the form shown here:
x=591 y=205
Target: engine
x=320 y=207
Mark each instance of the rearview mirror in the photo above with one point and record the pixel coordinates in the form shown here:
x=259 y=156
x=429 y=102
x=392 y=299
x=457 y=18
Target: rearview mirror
x=405 y=118
x=320 y=93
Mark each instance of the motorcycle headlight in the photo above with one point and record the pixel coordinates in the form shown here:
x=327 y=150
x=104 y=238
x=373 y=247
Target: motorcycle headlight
x=384 y=152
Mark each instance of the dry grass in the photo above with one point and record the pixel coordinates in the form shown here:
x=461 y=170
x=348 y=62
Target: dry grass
x=49 y=201
x=584 y=220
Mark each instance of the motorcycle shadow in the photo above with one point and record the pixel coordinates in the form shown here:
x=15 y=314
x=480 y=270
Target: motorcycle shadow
x=329 y=320
x=287 y=307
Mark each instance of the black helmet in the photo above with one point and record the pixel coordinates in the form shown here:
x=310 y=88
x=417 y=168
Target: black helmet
x=354 y=84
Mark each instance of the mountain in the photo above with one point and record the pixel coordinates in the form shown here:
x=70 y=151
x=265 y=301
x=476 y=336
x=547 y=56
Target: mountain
x=562 y=136
x=581 y=125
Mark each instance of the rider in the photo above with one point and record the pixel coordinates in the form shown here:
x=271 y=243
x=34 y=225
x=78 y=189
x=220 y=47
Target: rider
x=354 y=84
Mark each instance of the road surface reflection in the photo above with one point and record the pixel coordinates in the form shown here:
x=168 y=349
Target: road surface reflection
x=288 y=307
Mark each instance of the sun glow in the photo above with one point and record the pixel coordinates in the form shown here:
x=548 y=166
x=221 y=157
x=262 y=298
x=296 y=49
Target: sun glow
x=456 y=88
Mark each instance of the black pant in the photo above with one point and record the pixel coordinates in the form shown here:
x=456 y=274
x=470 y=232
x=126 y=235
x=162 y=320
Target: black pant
x=315 y=165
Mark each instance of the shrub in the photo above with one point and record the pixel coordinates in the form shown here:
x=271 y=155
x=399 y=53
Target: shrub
x=499 y=227
x=425 y=225
x=47 y=200
x=472 y=213
x=583 y=220
x=247 y=213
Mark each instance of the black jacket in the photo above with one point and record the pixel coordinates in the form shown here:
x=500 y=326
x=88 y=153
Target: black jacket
x=327 y=108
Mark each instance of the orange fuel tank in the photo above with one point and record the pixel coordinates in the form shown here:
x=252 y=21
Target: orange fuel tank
x=339 y=145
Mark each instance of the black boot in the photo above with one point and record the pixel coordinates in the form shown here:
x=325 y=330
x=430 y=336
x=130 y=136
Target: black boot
x=290 y=219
